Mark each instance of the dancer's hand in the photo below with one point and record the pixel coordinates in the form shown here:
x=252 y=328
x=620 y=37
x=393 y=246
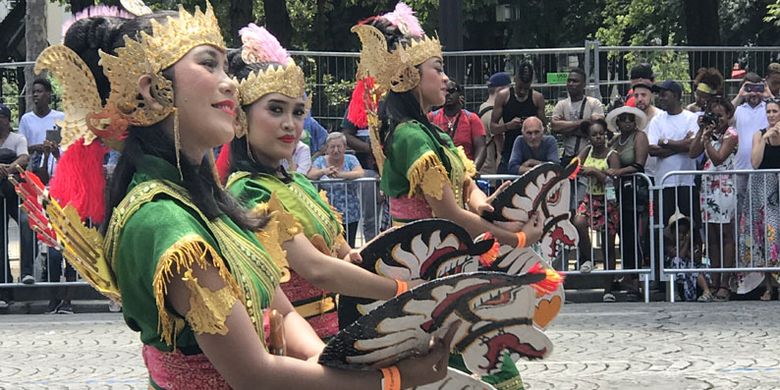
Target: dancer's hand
x=487 y=206
x=533 y=229
x=353 y=257
x=431 y=366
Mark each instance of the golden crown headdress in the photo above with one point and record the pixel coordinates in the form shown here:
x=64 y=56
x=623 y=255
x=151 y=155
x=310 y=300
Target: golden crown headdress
x=395 y=69
x=85 y=116
x=286 y=78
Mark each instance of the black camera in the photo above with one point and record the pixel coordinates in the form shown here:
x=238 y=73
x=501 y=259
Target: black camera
x=710 y=118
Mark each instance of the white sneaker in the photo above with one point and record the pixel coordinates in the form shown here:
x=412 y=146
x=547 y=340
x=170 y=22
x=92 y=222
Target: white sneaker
x=3 y=304
x=114 y=307
x=28 y=279
x=586 y=267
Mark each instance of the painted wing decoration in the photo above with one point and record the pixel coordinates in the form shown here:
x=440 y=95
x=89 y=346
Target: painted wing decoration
x=496 y=310
x=81 y=246
x=424 y=249
x=80 y=98
x=545 y=188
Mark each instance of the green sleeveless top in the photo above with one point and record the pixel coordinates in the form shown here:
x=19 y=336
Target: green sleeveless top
x=321 y=223
x=416 y=162
x=157 y=230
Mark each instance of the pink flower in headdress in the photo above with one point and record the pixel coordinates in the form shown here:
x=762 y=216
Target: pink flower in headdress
x=94 y=11
x=403 y=18
x=261 y=46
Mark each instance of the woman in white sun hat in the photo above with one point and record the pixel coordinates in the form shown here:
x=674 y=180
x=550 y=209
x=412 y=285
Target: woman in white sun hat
x=631 y=145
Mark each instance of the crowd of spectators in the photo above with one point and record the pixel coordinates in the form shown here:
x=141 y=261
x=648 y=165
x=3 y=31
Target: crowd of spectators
x=718 y=220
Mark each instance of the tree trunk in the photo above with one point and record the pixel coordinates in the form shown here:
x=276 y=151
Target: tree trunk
x=241 y=14
x=35 y=41
x=703 y=29
x=78 y=5
x=277 y=20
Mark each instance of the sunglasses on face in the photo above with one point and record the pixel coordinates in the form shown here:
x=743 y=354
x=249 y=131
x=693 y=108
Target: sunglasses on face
x=625 y=118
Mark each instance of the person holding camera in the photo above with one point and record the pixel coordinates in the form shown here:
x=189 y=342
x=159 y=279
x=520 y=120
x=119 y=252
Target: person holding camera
x=718 y=142
x=750 y=116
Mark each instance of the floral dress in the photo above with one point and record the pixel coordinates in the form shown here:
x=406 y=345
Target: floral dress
x=718 y=198
x=759 y=244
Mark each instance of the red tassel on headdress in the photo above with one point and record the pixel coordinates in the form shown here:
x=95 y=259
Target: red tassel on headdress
x=356 y=112
x=223 y=163
x=79 y=180
x=551 y=281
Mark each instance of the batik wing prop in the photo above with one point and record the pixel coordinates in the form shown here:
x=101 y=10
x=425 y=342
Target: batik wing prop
x=80 y=99
x=518 y=261
x=424 y=249
x=496 y=310
x=62 y=228
x=547 y=190
x=457 y=380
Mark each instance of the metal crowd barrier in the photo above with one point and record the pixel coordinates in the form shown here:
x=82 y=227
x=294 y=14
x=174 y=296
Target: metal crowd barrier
x=749 y=233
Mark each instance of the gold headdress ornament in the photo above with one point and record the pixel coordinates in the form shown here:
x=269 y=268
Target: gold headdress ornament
x=259 y=46
x=394 y=70
x=148 y=55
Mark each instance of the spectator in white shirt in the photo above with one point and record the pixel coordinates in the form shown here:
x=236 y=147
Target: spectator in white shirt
x=300 y=161
x=670 y=135
x=34 y=125
x=750 y=117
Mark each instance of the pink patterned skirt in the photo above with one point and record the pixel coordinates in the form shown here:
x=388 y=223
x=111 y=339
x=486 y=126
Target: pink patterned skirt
x=175 y=370
x=406 y=209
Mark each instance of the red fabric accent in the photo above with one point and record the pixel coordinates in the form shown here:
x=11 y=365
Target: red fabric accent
x=356 y=112
x=79 y=180
x=175 y=370
x=631 y=100
x=469 y=127
x=223 y=163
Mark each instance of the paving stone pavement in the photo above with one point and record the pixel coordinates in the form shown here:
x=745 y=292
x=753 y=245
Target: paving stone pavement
x=597 y=346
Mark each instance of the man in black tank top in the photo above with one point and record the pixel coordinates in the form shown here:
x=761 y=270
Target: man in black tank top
x=514 y=105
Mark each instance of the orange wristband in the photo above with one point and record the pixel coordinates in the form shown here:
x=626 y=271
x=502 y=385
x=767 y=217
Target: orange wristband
x=520 y=239
x=401 y=287
x=391 y=378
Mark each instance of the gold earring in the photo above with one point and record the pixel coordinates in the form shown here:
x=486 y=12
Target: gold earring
x=177 y=142
x=248 y=148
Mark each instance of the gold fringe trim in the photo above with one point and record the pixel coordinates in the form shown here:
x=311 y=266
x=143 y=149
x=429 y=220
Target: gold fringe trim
x=336 y=213
x=428 y=173
x=470 y=169
x=208 y=309
x=189 y=250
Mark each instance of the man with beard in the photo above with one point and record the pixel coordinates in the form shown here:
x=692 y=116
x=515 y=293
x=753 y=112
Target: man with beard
x=514 y=105
x=643 y=100
x=749 y=117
